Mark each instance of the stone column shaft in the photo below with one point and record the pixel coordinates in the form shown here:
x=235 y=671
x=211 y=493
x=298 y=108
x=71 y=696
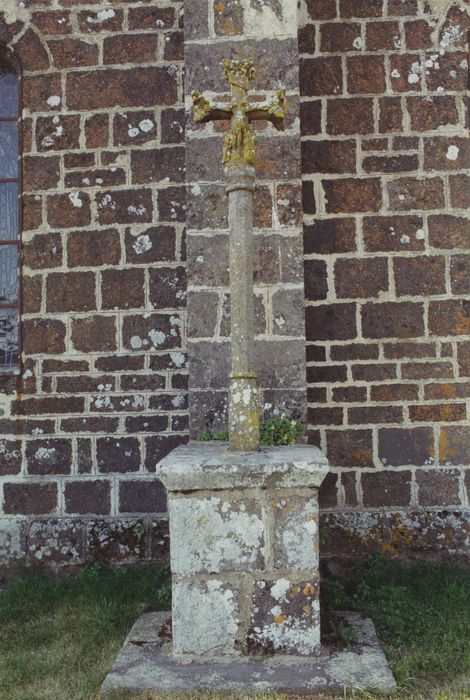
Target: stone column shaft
x=244 y=422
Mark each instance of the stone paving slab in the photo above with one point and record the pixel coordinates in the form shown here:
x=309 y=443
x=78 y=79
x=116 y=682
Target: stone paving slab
x=145 y=663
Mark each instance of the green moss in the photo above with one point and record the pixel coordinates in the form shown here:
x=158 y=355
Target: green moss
x=281 y=431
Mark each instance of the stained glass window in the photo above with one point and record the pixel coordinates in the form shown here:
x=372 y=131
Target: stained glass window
x=9 y=210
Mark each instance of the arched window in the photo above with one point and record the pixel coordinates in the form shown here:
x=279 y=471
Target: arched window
x=9 y=209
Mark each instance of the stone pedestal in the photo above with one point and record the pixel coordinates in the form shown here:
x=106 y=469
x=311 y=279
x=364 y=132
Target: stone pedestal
x=244 y=549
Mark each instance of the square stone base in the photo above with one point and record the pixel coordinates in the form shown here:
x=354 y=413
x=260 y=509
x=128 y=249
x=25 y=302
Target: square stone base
x=146 y=663
x=244 y=549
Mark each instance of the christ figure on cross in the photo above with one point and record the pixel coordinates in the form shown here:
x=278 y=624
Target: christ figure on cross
x=239 y=159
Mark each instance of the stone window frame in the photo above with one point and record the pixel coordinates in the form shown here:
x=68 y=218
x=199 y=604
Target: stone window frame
x=8 y=57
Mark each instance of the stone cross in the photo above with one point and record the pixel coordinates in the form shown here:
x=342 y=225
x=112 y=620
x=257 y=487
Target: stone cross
x=239 y=160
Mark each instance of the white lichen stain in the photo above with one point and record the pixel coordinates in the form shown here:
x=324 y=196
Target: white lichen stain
x=416 y=70
x=452 y=153
x=293 y=632
x=75 y=199
x=136 y=342
x=260 y=19
x=142 y=244
x=137 y=401
x=280 y=589
x=420 y=234
x=146 y=125
x=102 y=402
x=296 y=537
x=358 y=43
x=451 y=35
x=108 y=201
x=101 y=16
x=218 y=536
x=178 y=359
x=53 y=101
x=43 y=454
x=157 y=337
x=206 y=619
x=138 y=211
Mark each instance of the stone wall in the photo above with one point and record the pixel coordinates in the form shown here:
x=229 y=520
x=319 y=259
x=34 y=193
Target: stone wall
x=101 y=394
x=385 y=162
x=267 y=33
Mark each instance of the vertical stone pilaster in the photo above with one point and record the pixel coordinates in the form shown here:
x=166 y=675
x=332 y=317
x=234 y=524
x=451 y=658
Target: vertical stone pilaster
x=268 y=35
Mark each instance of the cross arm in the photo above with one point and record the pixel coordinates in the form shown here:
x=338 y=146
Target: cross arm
x=273 y=111
x=205 y=112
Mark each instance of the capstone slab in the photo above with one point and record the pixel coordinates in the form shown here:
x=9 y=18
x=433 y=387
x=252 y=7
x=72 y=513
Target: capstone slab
x=212 y=466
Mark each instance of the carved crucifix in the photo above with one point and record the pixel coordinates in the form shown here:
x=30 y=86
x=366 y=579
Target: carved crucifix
x=239 y=160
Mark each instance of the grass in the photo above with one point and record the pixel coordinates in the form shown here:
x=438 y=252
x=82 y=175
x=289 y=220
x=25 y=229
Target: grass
x=58 y=636
x=422 y=615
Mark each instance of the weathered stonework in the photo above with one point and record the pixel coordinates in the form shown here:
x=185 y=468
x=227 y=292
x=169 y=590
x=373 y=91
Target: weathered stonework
x=244 y=549
x=385 y=147
x=102 y=97
x=269 y=32
x=381 y=109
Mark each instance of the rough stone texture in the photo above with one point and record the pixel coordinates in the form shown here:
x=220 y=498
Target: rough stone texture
x=269 y=32
x=102 y=93
x=383 y=93
x=387 y=314
x=244 y=549
x=296 y=542
x=285 y=618
x=146 y=664
x=225 y=535
x=207 y=619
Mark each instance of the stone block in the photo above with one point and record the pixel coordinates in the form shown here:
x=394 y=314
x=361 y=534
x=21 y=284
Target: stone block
x=215 y=535
x=285 y=618
x=12 y=541
x=30 y=498
x=88 y=497
x=10 y=457
x=56 y=541
x=205 y=617
x=117 y=541
x=295 y=531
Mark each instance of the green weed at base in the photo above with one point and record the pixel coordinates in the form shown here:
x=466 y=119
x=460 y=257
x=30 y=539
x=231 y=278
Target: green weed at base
x=278 y=431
